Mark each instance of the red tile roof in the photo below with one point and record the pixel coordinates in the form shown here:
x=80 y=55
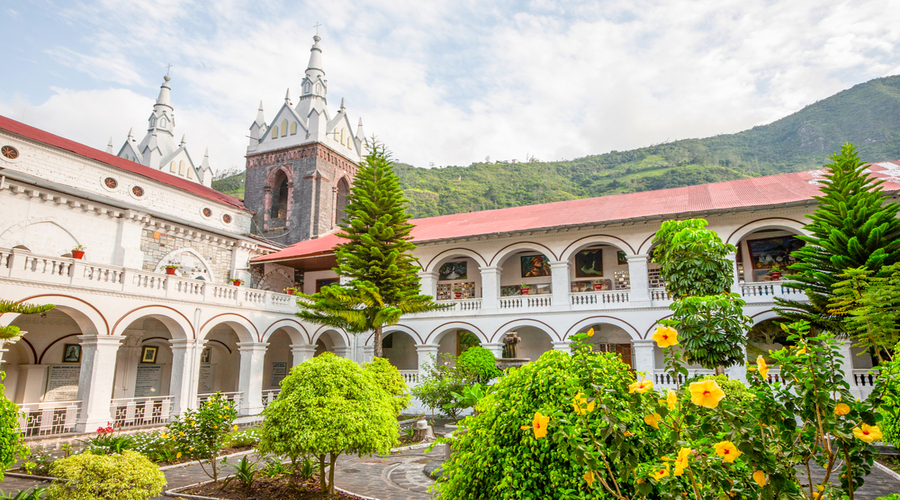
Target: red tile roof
x=114 y=161
x=730 y=195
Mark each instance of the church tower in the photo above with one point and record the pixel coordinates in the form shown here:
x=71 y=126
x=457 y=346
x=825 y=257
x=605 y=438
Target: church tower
x=300 y=165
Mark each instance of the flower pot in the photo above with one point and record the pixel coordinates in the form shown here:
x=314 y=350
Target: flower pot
x=170 y=271
x=77 y=254
x=236 y=283
x=289 y=292
x=458 y=295
x=525 y=291
x=598 y=287
x=776 y=276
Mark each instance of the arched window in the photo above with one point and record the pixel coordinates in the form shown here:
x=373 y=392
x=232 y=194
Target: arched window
x=172 y=167
x=274 y=132
x=283 y=128
x=342 y=192
x=279 y=197
x=181 y=168
x=294 y=128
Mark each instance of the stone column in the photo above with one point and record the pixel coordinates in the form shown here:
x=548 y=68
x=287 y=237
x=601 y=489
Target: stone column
x=644 y=356
x=496 y=349
x=95 y=382
x=490 y=287
x=368 y=353
x=425 y=353
x=640 y=280
x=561 y=285
x=428 y=283
x=735 y=286
x=126 y=366
x=301 y=353
x=185 y=369
x=128 y=245
x=343 y=351
x=251 y=377
x=562 y=345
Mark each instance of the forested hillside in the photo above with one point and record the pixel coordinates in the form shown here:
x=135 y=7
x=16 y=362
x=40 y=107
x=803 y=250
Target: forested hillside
x=868 y=115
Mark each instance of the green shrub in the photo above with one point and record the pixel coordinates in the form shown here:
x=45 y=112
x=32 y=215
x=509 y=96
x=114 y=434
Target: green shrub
x=247 y=437
x=889 y=382
x=201 y=434
x=495 y=459
x=438 y=382
x=129 y=476
x=388 y=377
x=12 y=446
x=478 y=365
x=154 y=446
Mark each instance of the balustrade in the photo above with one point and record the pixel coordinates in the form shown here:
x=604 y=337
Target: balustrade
x=411 y=377
x=48 y=419
x=138 y=412
x=234 y=397
x=269 y=396
x=599 y=298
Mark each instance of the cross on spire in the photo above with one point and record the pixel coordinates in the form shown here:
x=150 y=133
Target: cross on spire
x=168 y=68
x=316 y=26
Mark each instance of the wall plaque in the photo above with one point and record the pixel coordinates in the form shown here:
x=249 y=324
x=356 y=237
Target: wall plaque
x=62 y=383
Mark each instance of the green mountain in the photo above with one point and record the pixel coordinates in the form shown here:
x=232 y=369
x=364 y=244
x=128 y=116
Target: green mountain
x=868 y=115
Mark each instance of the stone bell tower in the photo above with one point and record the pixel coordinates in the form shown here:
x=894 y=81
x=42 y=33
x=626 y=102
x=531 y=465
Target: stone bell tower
x=300 y=165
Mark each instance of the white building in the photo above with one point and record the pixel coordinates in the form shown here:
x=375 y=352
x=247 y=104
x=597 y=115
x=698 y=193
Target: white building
x=131 y=344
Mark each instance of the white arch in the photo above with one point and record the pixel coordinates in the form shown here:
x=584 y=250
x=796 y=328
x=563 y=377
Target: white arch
x=370 y=340
x=438 y=333
x=333 y=333
x=293 y=328
x=246 y=331
x=512 y=325
x=523 y=246
x=593 y=240
x=89 y=319
x=208 y=275
x=602 y=320
x=437 y=260
x=782 y=223
x=178 y=325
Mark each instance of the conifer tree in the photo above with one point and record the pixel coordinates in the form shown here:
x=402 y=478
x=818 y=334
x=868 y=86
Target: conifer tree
x=853 y=226
x=377 y=257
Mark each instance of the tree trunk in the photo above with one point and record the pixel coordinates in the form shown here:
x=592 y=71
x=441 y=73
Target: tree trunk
x=379 y=353
x=215 y=469
x=720 y=370
x=331 y=474
x=322 y=482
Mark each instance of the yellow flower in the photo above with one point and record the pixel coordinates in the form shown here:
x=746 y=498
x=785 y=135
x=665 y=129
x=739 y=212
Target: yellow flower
x=706 y=393
x=180 y=433
x=640 y=387
x=178 y=455
x=164 y=436
x=579 y=401
x=538 y=425
x=760 y=478
x=589 y=477
x=628 y=434
x=191 y=448
x=235 y=427
x=665 y=336
x=660 y=473
x=672 y=399
x=727 y=450
x=653 y=420
x=802 y=350
x=867 y=433
x=841 y=409
x=763 y=368
x=590 y=333
x=681 y=462
x=215 y=427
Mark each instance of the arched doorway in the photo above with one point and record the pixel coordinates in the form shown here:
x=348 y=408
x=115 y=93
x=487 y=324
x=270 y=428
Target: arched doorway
x=614 y=339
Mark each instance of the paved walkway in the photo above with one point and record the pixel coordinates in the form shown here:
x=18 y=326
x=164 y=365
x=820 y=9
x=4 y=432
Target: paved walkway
x=400 y=477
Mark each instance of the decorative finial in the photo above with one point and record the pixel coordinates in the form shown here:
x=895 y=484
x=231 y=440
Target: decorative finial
x=287 y=97
x=183 y=140
x=316 y=26
x=168 y=67
x=131 y=133
x=342 y=104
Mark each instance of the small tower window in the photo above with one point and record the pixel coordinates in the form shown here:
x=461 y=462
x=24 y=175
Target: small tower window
x=274 y=132
x=190 y=173
x=342 y=192
x=283 y=128
x=172 y=168
x=279 y=197
x=294 y=128
x=181 y=168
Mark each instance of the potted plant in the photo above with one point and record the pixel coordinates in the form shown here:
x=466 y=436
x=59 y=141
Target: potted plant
x=775 y=272
x=290 y=290
x=170 y=269
x=598 y=285
x=78 y=252
x=236 y=281
x=457 y=292
x=525 y=288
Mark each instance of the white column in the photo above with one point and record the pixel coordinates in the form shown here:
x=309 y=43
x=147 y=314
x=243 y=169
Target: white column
x=739 y=371
x=95 y=382
x=128 y=245
x=560 y=283
x=185 y=369
x=302 y=352
x=847 y=367
x=490 y=287
x=240 y=263
x=640 y=280
x=126 y=366
x=562 y=345
x=368 y=353
x=343 y=351
x=428 y=283
x=735 y=286
x=426 y=353
x=251 y=377
x=644 y=356
x=496 y=349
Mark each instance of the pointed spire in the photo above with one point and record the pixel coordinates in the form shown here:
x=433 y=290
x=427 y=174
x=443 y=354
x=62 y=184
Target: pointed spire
x=315 y=57
x=260 y=119
x=165 y=97
x=287 y=98
x=183 y=140
x=343 y=108
x=109 y=146
x=360 y=134
x=131 y=134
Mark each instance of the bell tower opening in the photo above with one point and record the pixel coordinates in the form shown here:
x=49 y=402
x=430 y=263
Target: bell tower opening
x=343 y=189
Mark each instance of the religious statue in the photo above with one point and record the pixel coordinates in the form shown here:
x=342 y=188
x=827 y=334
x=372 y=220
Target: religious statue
x=511 y=339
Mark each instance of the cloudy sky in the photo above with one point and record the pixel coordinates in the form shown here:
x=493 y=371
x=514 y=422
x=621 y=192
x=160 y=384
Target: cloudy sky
x=443 y=82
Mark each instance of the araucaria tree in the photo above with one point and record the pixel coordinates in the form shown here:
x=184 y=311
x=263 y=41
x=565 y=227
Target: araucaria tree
x=853 y=226
x=329 y=406
x=709 y=318
x=377 y=257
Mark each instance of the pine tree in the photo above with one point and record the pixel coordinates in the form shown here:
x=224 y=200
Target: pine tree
x=852 y=227
x=377 y=257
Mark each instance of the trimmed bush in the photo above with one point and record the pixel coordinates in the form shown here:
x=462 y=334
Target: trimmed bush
x=129 y=476
x=478 y=364
x=388 y=377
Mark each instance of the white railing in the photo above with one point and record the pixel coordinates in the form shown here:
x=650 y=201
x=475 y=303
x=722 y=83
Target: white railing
x=411 y=377
x=663 y=380
x=22 y=264
x=459 y=305
x=526 y=301
x=234 y=397
x=864 y=380
x=767 y=289
x=659 y=294
x=595 y=298
x=269 y=396
x=48 y=419
x=137 y=412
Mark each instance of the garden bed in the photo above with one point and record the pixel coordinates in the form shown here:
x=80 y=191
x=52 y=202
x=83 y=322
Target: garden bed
x=277 y=488
x=890 y=461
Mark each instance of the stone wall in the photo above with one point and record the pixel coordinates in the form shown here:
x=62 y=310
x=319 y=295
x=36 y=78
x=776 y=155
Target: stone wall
x=157 y=245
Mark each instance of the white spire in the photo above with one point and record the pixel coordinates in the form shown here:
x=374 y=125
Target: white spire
x=343 y=108
x=260 y=119
x=287 y=97
x=314 y=85
x=131 y=134
x=165 y=98
x=315 y=58
x=360 y=135
x=109 y=146
x=183 y=140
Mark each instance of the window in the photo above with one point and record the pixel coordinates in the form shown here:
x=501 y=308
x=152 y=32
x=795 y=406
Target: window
x=274 y=132
x=190 y=172
x=278 y=208
x=342 y=192
x=172 y=167
x=137 y=191
x=111 y=183
x=226 y=219
x=181 y=168
x=283 y=128
x=294 y=128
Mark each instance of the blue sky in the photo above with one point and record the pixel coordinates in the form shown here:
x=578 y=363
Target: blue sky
x=443 y=82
